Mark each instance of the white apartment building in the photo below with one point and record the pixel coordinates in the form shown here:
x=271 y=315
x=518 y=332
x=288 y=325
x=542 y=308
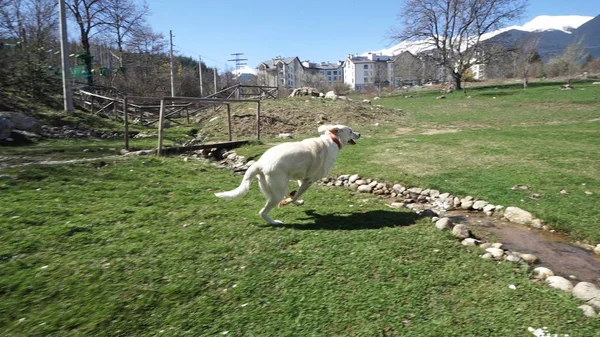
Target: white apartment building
x=361 y=72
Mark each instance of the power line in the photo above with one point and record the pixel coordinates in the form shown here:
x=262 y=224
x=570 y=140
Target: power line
x=203 y=56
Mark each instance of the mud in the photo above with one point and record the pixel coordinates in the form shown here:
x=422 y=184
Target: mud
x=554 y=251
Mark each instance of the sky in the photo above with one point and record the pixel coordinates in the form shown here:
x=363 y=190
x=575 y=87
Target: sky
x=315 y=30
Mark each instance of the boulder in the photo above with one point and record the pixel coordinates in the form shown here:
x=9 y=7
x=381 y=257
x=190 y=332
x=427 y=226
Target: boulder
x=517 y=215
x=460 y=231
x=443 y=224
x=542 y=273
x=588 y=311
x=495 y=252
x=588 y=292
x=331 y=95
x=22 y=122
x=365 y=189
x=6 y=127
x=559 y=282
x=479 y=204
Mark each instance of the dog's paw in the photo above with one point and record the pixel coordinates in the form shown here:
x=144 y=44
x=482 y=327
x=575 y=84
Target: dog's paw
x=276 y=222
x=284 y=202
x=299 y=202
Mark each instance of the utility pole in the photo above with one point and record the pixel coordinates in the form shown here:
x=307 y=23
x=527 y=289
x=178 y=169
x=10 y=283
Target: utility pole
x=64 y=55
x=200 y=73
x=215 y=78
x=172 y=69
x=238 y=62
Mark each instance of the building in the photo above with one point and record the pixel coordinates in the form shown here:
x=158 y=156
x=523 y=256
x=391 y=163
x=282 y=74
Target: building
x=285 y=72
x=333 y=72
x=372 y=70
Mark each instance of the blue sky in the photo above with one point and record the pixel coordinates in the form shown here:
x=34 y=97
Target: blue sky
x=315 y=30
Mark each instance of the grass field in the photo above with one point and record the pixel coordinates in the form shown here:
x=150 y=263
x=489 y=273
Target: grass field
x=141 y=247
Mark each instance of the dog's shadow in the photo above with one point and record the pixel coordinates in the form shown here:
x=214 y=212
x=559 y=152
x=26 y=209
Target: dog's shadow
x=354 y=221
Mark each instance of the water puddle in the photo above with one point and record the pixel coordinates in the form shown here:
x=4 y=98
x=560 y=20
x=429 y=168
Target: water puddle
x=553 y=250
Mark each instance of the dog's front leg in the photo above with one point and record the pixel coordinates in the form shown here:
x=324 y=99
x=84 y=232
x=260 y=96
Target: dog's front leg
x=304 y=185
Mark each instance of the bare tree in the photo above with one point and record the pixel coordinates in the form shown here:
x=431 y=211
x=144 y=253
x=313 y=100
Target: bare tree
x=527 y=56
x=454 y=29
x=123 y=18
x=89 y=19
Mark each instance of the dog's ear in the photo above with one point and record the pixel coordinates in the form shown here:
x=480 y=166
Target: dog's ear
x=334 y=130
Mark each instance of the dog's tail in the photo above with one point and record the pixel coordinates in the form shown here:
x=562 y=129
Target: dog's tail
x=244 y=187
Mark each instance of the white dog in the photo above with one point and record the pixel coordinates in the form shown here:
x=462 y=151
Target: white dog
x=306 y=161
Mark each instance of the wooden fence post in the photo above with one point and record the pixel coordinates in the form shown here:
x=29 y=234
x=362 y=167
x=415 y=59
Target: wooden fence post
x=229 y=121
x=258 y=121
x=126 y=123
x=161 y=118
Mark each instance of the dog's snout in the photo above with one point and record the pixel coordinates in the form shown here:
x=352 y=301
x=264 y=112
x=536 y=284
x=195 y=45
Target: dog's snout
x=357 y=135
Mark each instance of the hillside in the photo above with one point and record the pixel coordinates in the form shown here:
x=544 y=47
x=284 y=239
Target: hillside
x=298 y=116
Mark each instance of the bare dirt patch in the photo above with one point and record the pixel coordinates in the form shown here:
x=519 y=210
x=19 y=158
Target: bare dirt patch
x=439 y=131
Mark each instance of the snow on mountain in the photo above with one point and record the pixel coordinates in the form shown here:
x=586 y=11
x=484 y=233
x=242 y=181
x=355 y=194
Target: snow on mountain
x=564 y=23
x=244 y=70
x=559 y=22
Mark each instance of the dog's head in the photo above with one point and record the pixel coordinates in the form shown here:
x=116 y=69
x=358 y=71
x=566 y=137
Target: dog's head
x=341 y=132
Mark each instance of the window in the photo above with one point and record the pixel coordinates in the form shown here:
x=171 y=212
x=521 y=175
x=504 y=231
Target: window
x=335 y=72
x=329 y=72
x=366 y=66
x=366 y=80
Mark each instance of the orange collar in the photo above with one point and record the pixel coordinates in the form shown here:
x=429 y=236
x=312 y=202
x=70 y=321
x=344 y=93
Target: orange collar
x=335 y=140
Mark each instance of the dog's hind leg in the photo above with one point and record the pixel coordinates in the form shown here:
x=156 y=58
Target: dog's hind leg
x=273 y=188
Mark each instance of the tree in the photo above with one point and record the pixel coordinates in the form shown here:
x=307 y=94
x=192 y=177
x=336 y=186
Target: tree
x=454 y=29
x=123 y=18
x=89 y=19
x=527 y=56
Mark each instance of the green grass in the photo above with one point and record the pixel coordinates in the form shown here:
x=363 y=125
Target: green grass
x=141 y=247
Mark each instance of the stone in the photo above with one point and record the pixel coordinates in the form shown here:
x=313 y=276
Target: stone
x=496 y=252
x=456 y=202
x=397 y=204
x=485 y=245
x=529 y=258
x=536 y=223
x=425 y=192
x=489 y=208
x=415 y=190
x=365 y=189
x=479 y=204
x=588 y=311
x=559 y=282
x=398 y=188
x=343 y=177
x=22 y=122
x=496 y=245
x=443 y=224
x=487 y=256
x=444 y=196
x=512 y=258
x=285 y=136
x=517 y=215
x=6 y=127
x=434 y=193
x=597 y=249
x=466 y=204
x=361 y=182
x=460 y=231
x=588 y=292
x=331 y=95
x=353 y=178
x=469 y=242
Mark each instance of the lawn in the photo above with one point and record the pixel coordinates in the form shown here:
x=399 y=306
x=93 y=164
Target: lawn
x=139 y=246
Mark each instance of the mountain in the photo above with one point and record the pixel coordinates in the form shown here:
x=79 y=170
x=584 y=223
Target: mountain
x=244 y=70
x=555 y=33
